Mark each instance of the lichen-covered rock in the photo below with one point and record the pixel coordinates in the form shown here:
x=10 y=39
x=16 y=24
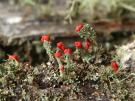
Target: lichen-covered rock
x=126 y=53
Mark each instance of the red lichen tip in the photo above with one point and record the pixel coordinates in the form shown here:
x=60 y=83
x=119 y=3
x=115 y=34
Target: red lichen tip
x=78 y=44
x=87 y=44
x=13 y=57
x=61 y=46
x=79 y=27
x=114 y=66
x=58 y=54
x=45 y=38
x=68 y=51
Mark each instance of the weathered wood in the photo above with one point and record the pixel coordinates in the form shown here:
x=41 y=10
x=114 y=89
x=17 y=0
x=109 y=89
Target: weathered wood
x=14 y=25
x=56 y=28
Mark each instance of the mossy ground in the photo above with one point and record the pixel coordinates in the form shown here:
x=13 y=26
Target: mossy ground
x=93 y=81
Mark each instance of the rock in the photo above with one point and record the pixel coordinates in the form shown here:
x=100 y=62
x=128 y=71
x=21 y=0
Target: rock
x=126 y=53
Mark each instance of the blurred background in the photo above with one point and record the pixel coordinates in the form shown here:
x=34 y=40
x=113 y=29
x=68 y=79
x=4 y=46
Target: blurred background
x=22 y=22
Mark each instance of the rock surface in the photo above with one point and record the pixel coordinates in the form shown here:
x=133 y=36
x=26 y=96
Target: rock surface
x=127 y=55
